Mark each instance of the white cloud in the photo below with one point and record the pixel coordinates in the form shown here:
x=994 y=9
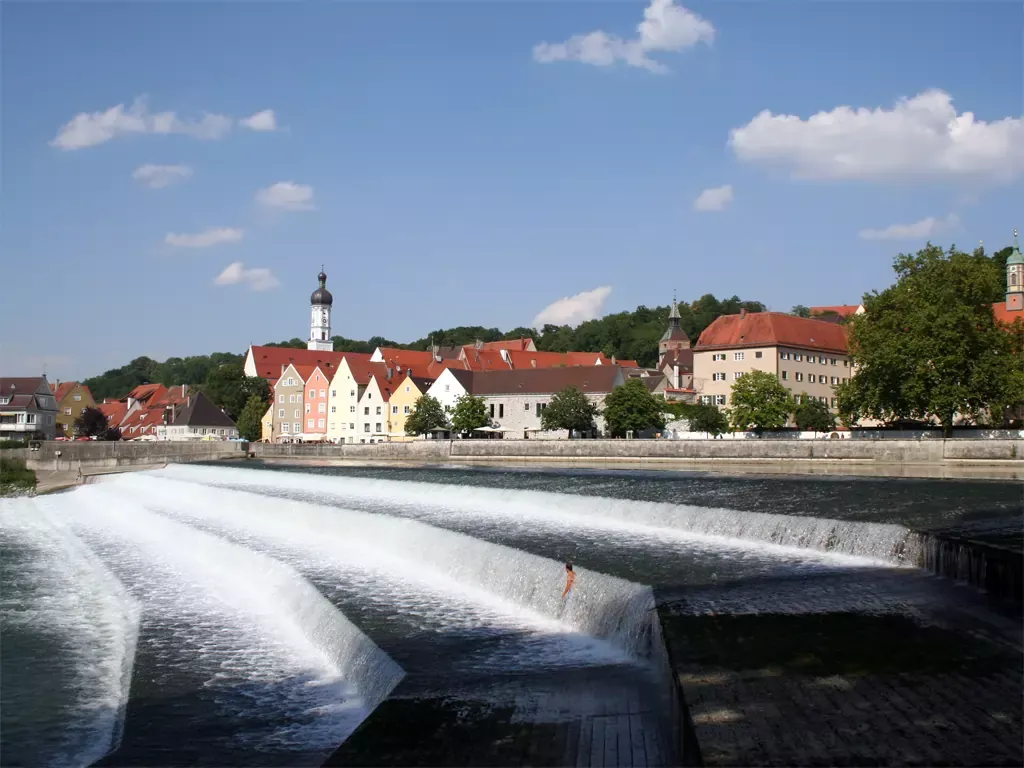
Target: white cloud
x=573 y=310
x=714 y=199
x=213 y=236
x=157 y=176
x=920 y=138
x=919 y=230
x=666 y=27
x=89 y=129
x=286 y=195
x=261 y=121
x=256 y=278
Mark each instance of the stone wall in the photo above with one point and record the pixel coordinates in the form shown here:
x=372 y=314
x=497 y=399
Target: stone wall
x=96 y=454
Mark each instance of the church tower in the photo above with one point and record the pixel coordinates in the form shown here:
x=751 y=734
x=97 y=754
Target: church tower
x=674 y=337
x=1015 y=279
x=321 y=303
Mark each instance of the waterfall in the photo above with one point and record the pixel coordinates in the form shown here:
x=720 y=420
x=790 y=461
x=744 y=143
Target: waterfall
x=604 y=607
x=59 y=601
x=250 y=619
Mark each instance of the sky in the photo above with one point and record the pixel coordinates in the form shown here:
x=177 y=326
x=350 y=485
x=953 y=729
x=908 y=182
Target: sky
x=174 y=174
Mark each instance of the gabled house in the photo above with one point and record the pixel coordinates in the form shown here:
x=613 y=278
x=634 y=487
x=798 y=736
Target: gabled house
x=199 y=419
x=403 y=402
x=315 y=400
x=72 y=397
x=373 y=409
x=449 y=386
x=28 y=409
x=288 y=394
x=270 y=362
x=347 y=386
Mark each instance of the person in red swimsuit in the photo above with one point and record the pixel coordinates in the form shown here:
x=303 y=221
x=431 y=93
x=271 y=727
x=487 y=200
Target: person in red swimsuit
x=570 y=577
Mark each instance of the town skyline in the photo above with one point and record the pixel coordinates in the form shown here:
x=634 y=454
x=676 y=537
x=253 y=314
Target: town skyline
x=211 y=196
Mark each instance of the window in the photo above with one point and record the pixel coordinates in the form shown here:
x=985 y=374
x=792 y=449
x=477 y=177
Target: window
x=833 y=402
x=76 y=398
x=833 y=361
x=4 y=400
x=835 y=380
x=538 y=410
x=527 y=408
x=351 y=409
x=322 y=392
x=369 y=395
x=501 y=410
x=312 y=393
x=811 y=358
x=810 y=378
x=394 y=408
x=321 y=408
x=67 y=411
x=280 y=413
x=783 y=355
x=332 y=426
x=307 y=407
x=297 y=426
x=718 y=356
x=352 y=393
x=406 y=409
x=366 y=427
x=378 y=410
x=296 y=413
x=706 y=399
x=797 y=356
x=366 y=410
x=320 y=423
x=376 y=427
x=280 y=398
x=737 y=355
x=309 y=423
x=492 y=410
x=719 y=376
x=406 y=389
x=823 y=361
x=719 y=399
x=286 y=427
x=291 y=398
x=334 y=409
x=785 y=375
x=351 y=426
x=334 y=393
x=736 y=375
x=445 y=387
x=799 y=376
x=757 y=355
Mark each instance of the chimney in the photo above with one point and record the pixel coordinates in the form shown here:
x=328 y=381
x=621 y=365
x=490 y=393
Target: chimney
x=388 y=372
x=183 y=390
x=743 y=313
x=613 y=359
x=478 y=344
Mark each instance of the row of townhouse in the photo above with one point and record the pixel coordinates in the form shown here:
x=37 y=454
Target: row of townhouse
x=155 y=412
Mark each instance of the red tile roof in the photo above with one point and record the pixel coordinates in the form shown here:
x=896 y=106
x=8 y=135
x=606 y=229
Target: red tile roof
x=146 y=392
x=482 y=359
x=843 y=310
x=1004 y=315
x=518 y=345
x=524 y=360
x=627 y=363
x=269 y=360
x=114 y=412
x=63 y=389
x=590 y=379
x=175 y=395
x=770 y=329
x=681 y=357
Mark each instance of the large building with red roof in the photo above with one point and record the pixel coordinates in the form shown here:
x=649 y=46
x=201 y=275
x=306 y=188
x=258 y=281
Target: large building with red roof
x=810 y=357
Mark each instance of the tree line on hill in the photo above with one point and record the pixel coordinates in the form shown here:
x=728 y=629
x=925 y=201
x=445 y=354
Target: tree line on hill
x=626 y=335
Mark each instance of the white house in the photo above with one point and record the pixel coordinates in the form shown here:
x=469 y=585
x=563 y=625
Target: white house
x=450 y=386
x=198 y=419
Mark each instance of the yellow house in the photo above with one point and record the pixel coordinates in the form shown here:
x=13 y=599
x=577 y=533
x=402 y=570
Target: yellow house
x=403 y=403
x=267 y=425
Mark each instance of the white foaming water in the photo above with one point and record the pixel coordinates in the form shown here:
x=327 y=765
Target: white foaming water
x=70 y=631
x=505 y=586
x=264 y=643
x=845 y=543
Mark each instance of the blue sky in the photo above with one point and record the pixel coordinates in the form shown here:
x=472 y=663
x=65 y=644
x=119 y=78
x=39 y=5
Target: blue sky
x=448 y=171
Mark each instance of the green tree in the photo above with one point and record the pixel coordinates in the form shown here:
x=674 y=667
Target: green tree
x=570 y=409
x=427 y=415
x=708 y=418
x=250 y=420
x=800 y=311
x=759 y=402
x=631 y=407
x=470 y=413
x=813 y=415
x=929 y=346
x=229 y=388
x=91 y=423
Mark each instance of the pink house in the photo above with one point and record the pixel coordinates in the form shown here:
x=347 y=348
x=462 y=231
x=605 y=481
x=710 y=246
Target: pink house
x=314 y=399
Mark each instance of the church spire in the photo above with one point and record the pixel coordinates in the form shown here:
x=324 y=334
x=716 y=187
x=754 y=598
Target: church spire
x=1015 y=278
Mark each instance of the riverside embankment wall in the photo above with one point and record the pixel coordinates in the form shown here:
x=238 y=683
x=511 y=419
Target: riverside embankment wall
x=71 y=456
x=1009 y=452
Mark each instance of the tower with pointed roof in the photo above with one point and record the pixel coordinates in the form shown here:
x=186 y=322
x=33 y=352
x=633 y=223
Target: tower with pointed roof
x=674 y=337
x=1015 y=279
x=321 y=302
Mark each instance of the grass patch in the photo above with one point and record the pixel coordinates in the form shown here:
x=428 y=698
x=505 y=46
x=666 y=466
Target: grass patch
x=828 y=644
x=15 y=479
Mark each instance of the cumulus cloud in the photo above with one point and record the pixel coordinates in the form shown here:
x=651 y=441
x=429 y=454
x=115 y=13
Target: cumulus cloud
x=714 y=199
x=666 y=27
x=573 y=310
x=261 y=121
x=919 y=230
x=255 y=278
x=211 y=237
x=157 y=176
x=920 y=138
x=286 y=195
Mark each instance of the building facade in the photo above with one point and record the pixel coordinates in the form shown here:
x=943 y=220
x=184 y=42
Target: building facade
x=72 y=397
x=28 y=409
x=288 y=410
x=347 y=386
x=403 y=403
x=314 y=402
x=809 y=357
x=198 y=419
x=450 y=386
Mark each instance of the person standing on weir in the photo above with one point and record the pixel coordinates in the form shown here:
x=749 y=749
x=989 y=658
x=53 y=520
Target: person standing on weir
x=570 y=577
